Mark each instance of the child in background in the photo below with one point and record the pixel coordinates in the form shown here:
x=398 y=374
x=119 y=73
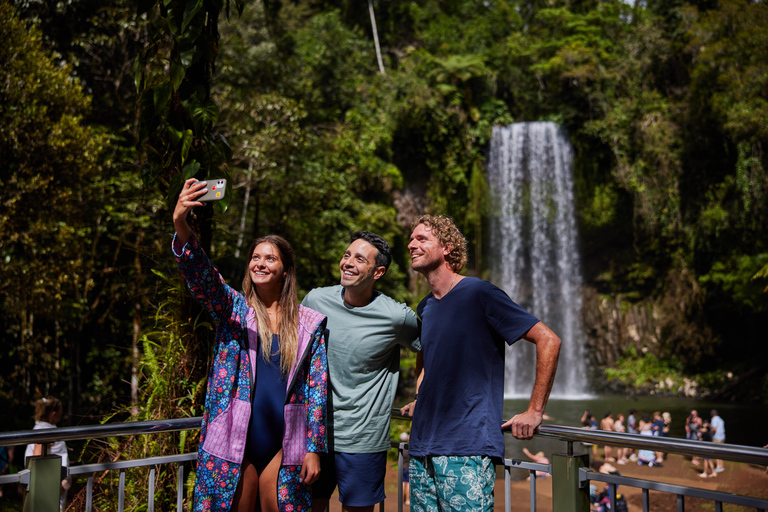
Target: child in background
x=48 y=413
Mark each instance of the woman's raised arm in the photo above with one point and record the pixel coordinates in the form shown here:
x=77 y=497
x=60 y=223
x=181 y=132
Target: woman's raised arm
x=190 y=191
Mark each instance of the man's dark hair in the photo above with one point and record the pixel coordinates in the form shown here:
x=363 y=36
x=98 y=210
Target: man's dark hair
x=384 y=256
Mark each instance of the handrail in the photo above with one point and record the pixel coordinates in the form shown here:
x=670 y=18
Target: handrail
x=733 y=452
x=586 y=475
x=126 y=428
x=564 y=481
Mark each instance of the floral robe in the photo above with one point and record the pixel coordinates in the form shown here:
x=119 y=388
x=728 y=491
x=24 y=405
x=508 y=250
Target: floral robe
x=224 y=429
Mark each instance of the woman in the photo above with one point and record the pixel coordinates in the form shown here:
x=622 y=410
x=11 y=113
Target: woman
x=264 y=419
x=709 y=466
x=48 y=413
x=646 y=456
x=618 y=426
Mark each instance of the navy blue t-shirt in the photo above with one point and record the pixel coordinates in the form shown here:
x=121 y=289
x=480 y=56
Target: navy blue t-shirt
x=459 y=410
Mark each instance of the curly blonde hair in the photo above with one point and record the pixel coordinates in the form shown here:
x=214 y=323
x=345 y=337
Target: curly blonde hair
x=447 y=234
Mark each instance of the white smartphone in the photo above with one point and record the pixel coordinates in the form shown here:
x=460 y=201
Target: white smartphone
x=217 y=189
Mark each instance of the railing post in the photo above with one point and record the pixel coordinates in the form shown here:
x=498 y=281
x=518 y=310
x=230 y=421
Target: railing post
x=44 y=486
x=567 y=493
x=400 y=470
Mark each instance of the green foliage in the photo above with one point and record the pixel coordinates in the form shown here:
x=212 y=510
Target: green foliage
x=330 y=61
x=602 y=208
x=280 y=153
x=665 y=104
x=59 y=289
x=730 y=45
x=735 y=278
x=715 y=379
x=646 y=370
x=172 y=385
x=762 y=274
x=178 y=115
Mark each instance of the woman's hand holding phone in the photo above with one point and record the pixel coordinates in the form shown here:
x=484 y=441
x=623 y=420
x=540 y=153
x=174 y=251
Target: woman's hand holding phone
x=189 y=197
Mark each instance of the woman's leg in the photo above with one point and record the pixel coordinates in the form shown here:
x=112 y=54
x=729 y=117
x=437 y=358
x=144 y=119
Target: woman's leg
x=247 y=488
x=268 y=484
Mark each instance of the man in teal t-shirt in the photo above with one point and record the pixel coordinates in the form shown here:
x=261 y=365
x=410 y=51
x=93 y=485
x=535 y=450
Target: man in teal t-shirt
x=365 y=331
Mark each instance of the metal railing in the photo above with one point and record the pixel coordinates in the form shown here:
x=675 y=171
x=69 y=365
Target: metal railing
x=49 y=489
x=736 y=453
x=570 y=473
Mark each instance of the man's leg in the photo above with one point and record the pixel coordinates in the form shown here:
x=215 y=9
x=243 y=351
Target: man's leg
x=423 y=484
x=361 y=480
x=719 y=462
x=464 y=483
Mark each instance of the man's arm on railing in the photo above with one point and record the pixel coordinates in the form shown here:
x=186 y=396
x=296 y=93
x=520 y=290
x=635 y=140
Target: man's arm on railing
x=526 y=424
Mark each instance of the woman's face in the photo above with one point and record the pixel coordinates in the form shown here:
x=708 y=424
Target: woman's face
x=266 y=267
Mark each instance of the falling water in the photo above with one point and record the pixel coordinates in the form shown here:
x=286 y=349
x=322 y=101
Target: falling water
x=535 y=257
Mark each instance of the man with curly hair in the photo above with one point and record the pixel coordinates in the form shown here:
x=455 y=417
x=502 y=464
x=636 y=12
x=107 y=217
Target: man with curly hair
x=457 y=413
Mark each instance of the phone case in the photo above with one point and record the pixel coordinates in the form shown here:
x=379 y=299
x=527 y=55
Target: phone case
x=217 y=189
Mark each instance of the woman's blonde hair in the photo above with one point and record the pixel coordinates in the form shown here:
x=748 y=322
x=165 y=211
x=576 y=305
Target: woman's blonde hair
x=288 y=337
x=45 y=407
x=447 y=233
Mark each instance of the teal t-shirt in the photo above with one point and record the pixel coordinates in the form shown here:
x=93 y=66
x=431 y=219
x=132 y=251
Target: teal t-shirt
x=363 y=365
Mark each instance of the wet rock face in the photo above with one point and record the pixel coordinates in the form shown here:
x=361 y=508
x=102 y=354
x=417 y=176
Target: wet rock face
x=614 y=326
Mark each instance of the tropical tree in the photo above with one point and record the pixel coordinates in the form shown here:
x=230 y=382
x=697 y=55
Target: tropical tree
x=59 y=273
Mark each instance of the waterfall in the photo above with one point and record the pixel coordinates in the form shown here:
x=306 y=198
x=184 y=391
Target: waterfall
x=534 y=250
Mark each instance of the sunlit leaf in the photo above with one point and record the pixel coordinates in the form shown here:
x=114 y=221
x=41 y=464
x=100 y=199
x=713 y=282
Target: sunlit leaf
x=186 y=143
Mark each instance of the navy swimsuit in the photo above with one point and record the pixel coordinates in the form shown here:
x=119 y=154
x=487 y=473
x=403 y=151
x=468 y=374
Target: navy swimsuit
x=265 y=431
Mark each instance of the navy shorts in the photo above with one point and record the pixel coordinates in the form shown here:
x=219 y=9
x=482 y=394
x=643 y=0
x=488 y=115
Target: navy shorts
x=359 y=476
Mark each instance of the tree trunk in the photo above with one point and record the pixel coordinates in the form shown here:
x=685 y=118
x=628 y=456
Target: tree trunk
x=244 y=213
x=135 y=354
x=376 y=37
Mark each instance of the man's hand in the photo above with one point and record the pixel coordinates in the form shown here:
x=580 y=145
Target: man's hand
x=310 y=469
x=525 y=425
x=407 y=410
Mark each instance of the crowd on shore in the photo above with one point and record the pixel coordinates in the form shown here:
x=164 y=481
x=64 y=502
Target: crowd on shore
x=657 y=424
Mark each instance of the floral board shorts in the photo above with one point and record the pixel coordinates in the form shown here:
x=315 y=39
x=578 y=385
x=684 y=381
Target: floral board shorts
x=453 y=483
